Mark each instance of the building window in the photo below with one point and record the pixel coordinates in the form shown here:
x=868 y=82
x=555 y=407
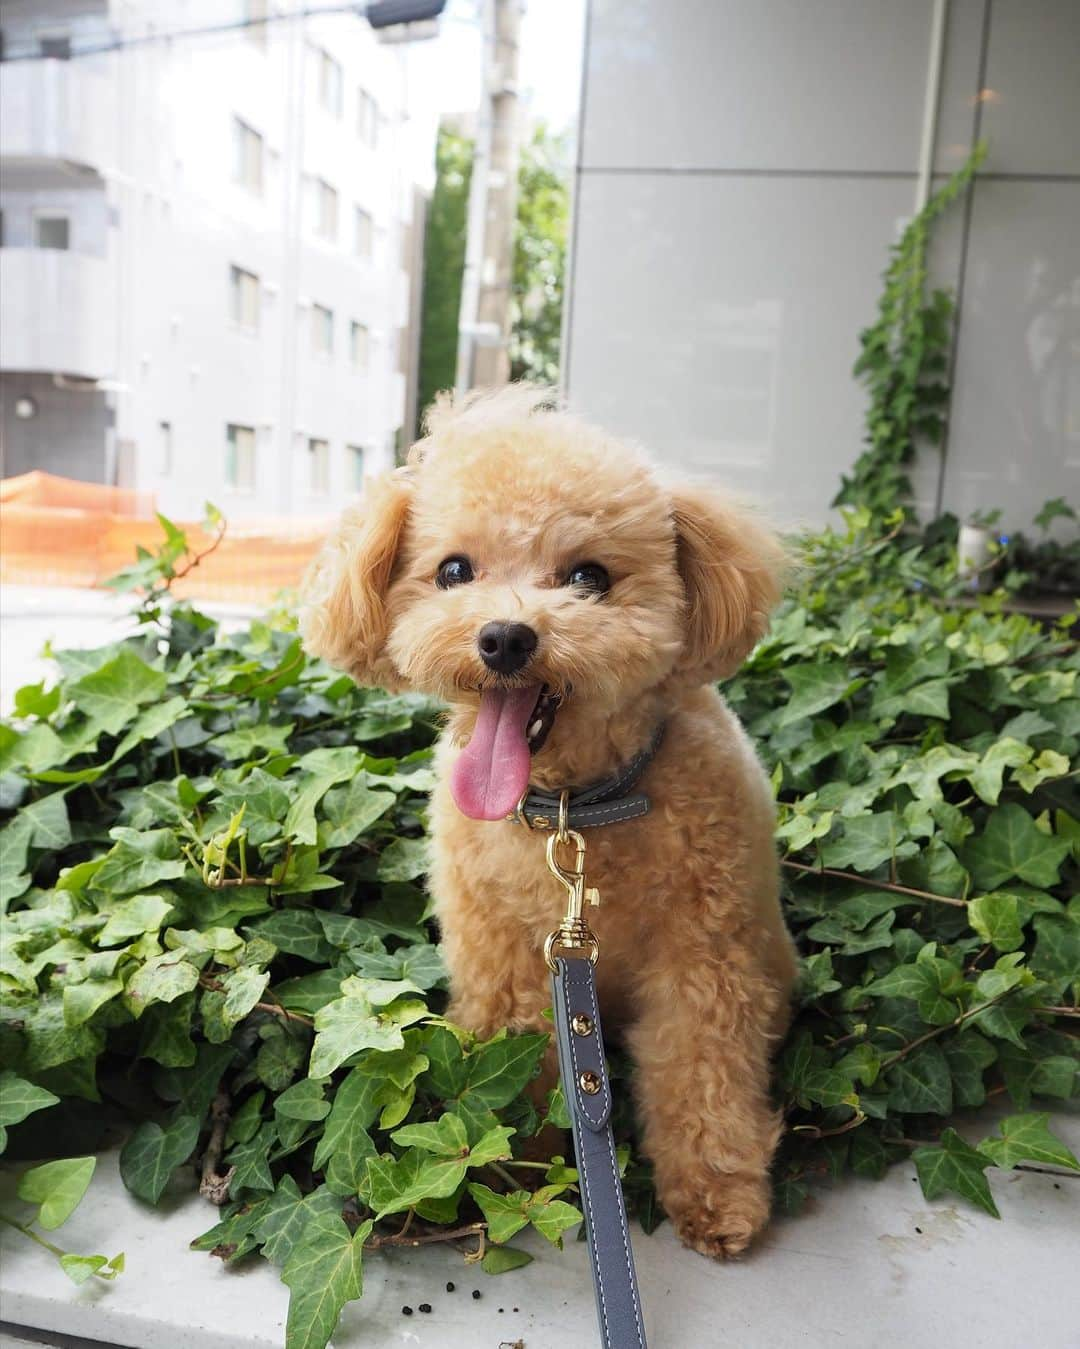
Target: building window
x=328 y=74
x=247 y=156
x=358 y=344
x=240 y=458
x=244 y=297
x=55 y=48
x=52 y=229
x=367 y=118
x=356 y=468
x=165 y=448
x=319 y=466
x=326 y=210
x=363 y=233
x=256 y=12
x=322 y=330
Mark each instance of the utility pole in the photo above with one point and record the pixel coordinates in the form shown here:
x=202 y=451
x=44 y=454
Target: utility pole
x=483 y=358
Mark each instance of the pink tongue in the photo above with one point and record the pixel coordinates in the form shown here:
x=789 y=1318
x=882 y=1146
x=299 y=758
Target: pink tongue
x=492 y=771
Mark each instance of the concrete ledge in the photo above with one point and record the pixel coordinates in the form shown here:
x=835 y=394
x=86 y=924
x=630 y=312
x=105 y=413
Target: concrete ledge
x=868 y=1264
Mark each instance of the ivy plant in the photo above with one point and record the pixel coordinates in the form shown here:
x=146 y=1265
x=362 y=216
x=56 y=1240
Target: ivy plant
x=216 y=934
x=904 y=362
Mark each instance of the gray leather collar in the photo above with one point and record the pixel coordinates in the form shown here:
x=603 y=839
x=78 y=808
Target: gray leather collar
x=609 y=801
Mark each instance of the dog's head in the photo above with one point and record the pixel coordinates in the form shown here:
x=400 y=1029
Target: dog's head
x=533 y=573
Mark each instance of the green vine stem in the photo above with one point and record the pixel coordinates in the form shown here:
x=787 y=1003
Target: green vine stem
x=904 y=362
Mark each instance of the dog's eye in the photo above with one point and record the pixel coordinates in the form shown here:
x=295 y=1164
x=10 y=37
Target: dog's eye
x=454 y=571
x=589 y=576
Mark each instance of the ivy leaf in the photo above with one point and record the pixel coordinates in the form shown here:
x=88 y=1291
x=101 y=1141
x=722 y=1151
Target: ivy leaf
x=445 y=1137
x=1010 y=845
x=285 y=1214
x=79 y=1268
x=47 y=818
x=403 y=860
x=395 y=1185
x=111 y=694
x=248 y=742
x=921 y=1084
x=1027 y=1138
x=82 y=1000
x=1057 y=948
x=331 y=766
x=814 y=687
x=502 y=1259
x=243 y=988
x=350 y=1024
x=996 y=918
x=955 y=1167
x=264 y=800
x=151 y=1154
x=498 y=1071
x=19 y=1098
x=304 y=1100
x=297 y=932
x=139 y=860
x=57 y=1187
x=351 y=810
x=505 y=1213
x=867 y=842
x=492 y=1146
x=987 y=776
x=130 y=918
x=251 y=1160
x=323 y=1272
x=353 y=1111
x=162 y=978
x=552 y=1218
x=968 y=1055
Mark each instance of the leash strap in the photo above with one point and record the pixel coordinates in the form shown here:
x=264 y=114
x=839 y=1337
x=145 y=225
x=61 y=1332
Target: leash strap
x=588 y=1096
x=606 y=802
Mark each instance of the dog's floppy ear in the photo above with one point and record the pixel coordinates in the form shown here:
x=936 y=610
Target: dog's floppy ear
x=344 y=617
x=732 y=568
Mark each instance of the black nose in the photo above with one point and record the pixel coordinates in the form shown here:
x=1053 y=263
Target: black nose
x=506 y=647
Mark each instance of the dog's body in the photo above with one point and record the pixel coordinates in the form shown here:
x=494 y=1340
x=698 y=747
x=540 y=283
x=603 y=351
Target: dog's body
x=630 y=601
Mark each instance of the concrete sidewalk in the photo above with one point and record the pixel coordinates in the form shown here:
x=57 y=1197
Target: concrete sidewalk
x=868 y=1264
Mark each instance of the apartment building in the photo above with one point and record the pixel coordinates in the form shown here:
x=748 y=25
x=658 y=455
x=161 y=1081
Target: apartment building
x=206 y=235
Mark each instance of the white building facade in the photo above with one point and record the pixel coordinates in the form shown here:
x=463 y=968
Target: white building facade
x=206 y=233
x=744 y=166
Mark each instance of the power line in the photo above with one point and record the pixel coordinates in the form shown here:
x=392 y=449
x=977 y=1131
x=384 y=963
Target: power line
x=209 y=30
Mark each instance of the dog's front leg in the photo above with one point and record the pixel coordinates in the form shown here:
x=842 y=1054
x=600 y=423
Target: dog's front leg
x=702 y=1048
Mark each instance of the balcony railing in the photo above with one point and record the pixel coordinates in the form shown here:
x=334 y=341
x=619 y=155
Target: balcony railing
x=57 y=110
x=59 y=313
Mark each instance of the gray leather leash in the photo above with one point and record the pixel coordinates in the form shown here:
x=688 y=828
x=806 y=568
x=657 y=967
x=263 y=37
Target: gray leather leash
x=588 y=1098
x=571 y=952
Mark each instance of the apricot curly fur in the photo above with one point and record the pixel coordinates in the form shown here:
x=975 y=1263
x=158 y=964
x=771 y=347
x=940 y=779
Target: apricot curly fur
x=697 y=968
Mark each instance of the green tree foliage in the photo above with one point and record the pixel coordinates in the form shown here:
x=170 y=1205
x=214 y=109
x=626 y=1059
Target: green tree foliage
x=215 y=925
x=904 y=363
x=540 y=258
x=444 y=264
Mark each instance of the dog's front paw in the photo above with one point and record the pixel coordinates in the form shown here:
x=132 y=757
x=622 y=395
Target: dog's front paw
x=724 y=1218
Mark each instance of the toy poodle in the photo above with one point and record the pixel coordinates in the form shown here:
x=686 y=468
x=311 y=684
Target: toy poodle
x=534 y=573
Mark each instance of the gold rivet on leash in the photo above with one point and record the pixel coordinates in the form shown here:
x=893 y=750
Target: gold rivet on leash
x=582 y=1024
x=589 y=1083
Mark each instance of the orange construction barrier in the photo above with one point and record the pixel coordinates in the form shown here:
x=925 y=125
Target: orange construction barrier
x=54 y=531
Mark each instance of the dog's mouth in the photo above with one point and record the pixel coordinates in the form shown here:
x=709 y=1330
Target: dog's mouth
x=491 y=773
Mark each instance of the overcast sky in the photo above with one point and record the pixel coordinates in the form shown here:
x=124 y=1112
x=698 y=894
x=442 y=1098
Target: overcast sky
x=444 y=74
